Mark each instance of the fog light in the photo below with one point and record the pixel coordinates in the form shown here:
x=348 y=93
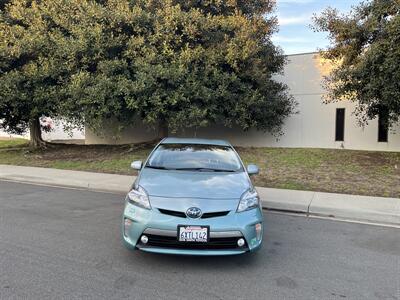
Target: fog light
x=144 y=239
x=240 y=242
x=127 y=225
x=258 y=231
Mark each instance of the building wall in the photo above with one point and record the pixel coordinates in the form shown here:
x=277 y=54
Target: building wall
x=137 y=133
x=58 y=133
x=313 y=126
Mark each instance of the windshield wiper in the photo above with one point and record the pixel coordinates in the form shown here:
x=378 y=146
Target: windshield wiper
x=205 y=169
x=190 y=169
x=157 y=167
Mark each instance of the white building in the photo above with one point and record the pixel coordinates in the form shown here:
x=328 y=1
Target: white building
x=58 y=133
x=317 y=125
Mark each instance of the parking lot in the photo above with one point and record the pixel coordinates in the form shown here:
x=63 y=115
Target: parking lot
x=65 y=243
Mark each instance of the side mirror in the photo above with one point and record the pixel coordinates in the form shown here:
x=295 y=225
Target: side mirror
x=252 y=169
x=136 y=165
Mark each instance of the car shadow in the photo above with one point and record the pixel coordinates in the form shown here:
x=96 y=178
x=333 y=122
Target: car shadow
x=228 y=263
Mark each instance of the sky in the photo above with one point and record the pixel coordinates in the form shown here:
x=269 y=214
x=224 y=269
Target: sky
x=294 y=16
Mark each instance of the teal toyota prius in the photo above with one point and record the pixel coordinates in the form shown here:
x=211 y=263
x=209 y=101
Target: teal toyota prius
x=193 y=197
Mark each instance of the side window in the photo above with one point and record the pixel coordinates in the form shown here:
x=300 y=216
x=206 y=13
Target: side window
x=339 y=132
x=382 y=127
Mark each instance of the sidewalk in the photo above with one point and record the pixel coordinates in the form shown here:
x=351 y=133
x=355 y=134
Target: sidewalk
x=351 y=207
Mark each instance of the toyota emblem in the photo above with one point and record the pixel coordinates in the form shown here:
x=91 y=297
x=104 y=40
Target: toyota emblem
x=194 y=212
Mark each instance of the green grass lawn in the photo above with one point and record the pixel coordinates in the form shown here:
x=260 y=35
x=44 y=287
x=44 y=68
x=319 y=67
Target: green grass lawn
x=12 y=143
x=327 y=170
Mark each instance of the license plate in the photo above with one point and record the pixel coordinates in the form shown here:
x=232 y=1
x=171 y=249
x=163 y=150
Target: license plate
x=198 y=234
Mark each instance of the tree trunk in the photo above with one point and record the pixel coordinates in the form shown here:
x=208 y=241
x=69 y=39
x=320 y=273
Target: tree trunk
x=35 y=132
x=162 y=129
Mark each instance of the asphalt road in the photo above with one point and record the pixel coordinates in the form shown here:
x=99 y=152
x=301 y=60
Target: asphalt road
x=62 y=243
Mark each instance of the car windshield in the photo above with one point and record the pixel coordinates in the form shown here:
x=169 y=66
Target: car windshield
x=195 y=157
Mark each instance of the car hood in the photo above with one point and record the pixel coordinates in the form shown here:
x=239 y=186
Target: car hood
x=186 y=184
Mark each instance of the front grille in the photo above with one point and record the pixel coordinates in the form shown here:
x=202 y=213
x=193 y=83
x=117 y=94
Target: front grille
x=172 y=213
x=217 y=243
x=181 y=214
x=214 y=214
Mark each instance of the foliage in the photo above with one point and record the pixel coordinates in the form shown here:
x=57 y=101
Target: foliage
x=46 y=48
x=202 y=62
x=175 y=62
x=366 y=49
x=99 y=38
x=29 y=76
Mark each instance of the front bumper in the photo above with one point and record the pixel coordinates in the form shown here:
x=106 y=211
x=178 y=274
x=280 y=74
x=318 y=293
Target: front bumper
x=162 y=232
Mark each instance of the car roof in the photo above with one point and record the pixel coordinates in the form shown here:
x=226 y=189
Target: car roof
x=174 y=140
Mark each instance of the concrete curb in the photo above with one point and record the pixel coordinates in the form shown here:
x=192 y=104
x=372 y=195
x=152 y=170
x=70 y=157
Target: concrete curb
x=378 y=210
x=351 y=207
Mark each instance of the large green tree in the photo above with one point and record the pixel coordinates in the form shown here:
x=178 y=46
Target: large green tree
x=46 y=49
x=205 y=62
x=173 y=64
x=179 y=64
x=27 y=77
x=365 y=50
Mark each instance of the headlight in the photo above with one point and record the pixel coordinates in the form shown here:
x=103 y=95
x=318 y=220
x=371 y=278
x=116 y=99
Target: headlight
x=139 y=197
x=248 y=201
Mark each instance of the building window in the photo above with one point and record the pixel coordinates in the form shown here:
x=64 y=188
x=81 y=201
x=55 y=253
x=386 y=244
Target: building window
x=339 y=133
x=383 y=127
